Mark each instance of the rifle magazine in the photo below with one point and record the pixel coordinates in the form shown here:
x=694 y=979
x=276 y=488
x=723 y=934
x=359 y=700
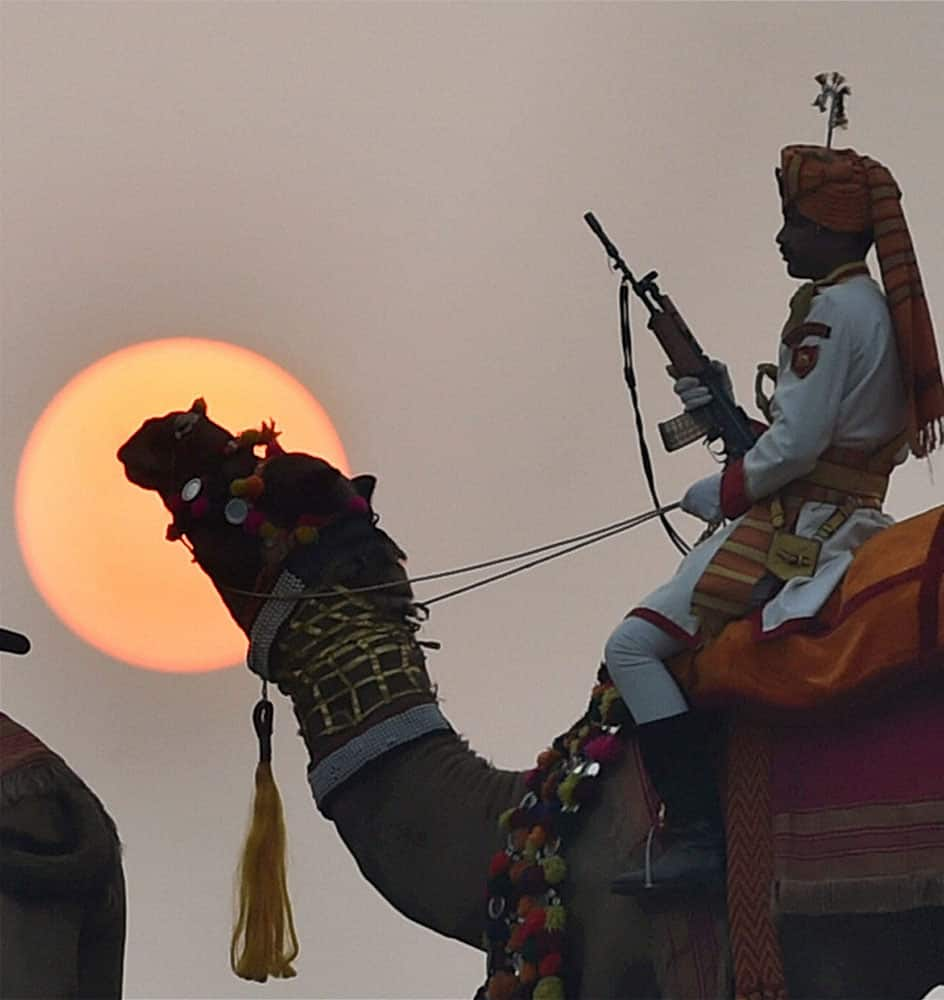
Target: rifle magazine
x=685 y=429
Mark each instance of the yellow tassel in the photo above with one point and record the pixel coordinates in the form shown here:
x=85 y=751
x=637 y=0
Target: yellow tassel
x=264 y=942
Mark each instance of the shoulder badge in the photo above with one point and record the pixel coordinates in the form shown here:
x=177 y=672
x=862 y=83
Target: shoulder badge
x=804 y=360
x=798 y=333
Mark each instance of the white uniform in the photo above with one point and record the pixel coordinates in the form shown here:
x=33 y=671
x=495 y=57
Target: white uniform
x=852 y=396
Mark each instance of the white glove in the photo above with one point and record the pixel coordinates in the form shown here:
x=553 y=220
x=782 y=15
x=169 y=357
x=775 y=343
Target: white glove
x=703 y=499
x=695 y=394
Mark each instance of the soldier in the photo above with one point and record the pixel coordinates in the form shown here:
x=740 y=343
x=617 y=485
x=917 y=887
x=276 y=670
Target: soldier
x=858 y=387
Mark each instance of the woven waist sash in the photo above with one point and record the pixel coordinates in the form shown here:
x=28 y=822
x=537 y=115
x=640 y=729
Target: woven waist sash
x=846 y=478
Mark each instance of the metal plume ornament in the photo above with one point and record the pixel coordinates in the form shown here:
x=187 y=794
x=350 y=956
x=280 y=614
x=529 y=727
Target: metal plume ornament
x=832 y=98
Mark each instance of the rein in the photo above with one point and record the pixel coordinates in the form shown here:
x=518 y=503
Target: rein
x=572 y=544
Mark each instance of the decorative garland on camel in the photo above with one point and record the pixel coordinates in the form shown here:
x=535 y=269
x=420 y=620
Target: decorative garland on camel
x=524 y=935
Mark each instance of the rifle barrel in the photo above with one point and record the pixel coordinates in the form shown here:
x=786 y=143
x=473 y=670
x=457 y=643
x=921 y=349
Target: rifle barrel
x=608 y=245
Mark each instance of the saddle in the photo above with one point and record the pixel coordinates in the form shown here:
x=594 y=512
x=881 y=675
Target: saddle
x=882 y=628
x=834 y=779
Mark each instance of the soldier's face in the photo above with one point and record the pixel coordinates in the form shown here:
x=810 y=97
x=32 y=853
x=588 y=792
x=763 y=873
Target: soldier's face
x=804 y=246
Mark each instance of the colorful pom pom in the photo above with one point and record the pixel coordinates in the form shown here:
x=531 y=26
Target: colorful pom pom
x=549 y=988
x=555 y=918
x=250 y=488
x=606 y=748
x=504 y=820
x=537 y=837
x=550 y=965
x=268 y=530
x=357 y=505
x=502 y=986
x=537 y=870
x=248 y=438
x=534 y=921
x=555 y=869
x=200 y=507
x=500 y=863
x=254 y=521
x=566 y=789
x=305 y=535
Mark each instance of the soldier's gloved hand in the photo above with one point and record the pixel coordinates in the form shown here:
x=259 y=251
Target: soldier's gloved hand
x=703 y=499
x=694 y=393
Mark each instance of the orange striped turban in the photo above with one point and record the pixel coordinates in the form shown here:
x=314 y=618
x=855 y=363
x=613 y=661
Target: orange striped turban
x=849 y=193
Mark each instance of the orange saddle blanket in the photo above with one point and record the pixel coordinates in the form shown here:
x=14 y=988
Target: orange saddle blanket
x=834 y=805
x=882 y=628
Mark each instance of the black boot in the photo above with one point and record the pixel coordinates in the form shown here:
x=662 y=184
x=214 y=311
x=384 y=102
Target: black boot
x=681 y=755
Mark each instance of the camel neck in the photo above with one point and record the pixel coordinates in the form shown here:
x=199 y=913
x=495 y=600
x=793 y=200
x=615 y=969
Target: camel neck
x=422 y=823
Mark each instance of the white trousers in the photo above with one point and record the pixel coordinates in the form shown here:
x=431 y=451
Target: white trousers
x=635 y=656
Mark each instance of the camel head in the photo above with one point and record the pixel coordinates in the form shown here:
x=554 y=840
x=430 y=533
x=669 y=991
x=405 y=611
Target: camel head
x=243 y=514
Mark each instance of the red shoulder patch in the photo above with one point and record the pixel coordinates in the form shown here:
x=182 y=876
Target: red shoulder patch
x=797 y=334
x=804 y=360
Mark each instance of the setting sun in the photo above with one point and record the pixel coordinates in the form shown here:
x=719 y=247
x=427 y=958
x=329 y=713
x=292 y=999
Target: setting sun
x=94 y=544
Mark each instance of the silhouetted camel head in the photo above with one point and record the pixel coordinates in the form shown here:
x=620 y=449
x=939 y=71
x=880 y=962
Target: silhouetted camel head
x=212 y=480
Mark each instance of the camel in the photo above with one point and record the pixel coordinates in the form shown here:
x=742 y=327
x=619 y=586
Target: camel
x=62 y=889
x=421 y=820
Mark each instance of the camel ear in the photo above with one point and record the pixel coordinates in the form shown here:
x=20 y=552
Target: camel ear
x=364 y=486
x=199 y=406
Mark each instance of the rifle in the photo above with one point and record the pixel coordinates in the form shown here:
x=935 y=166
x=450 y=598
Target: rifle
x=722 y=418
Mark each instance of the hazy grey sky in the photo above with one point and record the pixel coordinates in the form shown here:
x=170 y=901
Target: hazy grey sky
x=386 y=199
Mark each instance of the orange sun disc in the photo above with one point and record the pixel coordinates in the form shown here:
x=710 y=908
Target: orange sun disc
x=94 y=543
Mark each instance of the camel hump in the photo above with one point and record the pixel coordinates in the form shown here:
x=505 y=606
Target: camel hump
x=56 y=838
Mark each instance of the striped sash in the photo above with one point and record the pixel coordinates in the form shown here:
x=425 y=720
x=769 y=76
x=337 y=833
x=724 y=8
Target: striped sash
x=846 y=478
x=725 y=590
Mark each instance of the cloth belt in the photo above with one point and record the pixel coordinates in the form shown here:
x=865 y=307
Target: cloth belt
x=763 y=545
